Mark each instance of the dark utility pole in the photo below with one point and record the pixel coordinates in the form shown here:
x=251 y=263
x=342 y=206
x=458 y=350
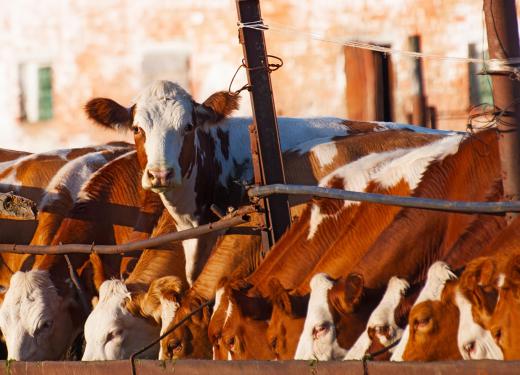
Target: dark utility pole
x=502 y=35
x=264 y=116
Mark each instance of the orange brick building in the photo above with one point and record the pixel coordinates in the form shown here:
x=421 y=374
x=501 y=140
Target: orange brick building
x=55 y=55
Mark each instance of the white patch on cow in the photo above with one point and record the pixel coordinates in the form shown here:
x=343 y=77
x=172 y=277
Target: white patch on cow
x=169 y=309
x=111 y=332
x=34 y=319
x=218 y=300
x=382 y=316
x=71 y=177
x=473 y=340
x=229 y=311
x=438 y=274
x=414 y=128
x=414 y=163
x=387 y=169
x=325 y=153
x=501 y=280
x=325 y=347
x=356 y=176
x=163 y=109
x=84 y=193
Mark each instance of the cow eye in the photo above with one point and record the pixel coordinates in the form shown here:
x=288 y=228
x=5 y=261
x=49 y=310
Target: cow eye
x=112 y=335
x=44 y=326
x=136 y=129
x=188 y=127
x=174 y=346
x=497 y=334
x=274 y=341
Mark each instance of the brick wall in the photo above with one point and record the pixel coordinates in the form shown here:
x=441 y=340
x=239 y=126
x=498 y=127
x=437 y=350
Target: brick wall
x=105 y=49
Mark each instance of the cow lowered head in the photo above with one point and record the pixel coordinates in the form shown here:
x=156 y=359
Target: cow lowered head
x=164 y=120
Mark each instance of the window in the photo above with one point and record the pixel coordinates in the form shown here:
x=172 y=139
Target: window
x=35 y=92
x=480 y=89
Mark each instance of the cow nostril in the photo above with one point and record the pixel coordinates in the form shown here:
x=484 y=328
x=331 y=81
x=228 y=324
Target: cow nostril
x=150 y=175
x=469 y=347
x=169 y=173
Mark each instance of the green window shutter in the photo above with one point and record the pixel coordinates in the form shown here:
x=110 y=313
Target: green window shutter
x=480 y=91
x=44 y=93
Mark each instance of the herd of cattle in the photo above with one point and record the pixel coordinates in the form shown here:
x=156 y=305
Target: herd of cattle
x=346 y=279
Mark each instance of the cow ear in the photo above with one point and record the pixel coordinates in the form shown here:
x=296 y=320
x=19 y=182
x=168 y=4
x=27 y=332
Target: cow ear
x=279 y=296
x=98 y=271
x=479 y=272
x=109 y=113
x=216 y=108
x=165 y=288
x=354 y=288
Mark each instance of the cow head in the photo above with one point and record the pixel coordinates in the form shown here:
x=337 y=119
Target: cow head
x=287 y=319
x=505 y=322
x=244 y=333
x=476 y=300
x=335 y=317
x=165 y=121
x=383 y=326
x=124 y=321
x=37 y=321
x=190 y=339
x=433 y=327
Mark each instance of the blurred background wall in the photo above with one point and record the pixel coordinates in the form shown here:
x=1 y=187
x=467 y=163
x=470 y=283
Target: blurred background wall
x=56 y=54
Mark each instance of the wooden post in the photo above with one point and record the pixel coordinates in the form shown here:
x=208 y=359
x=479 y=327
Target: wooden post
x=253 y=43
x=503 y=42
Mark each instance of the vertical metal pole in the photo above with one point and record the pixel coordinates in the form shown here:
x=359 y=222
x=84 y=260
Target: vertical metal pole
x=277 y=207
x=419 y=115
x=503 y=42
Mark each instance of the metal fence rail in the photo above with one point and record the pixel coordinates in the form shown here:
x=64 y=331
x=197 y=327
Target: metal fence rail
x=240 y=217
x=492 y=208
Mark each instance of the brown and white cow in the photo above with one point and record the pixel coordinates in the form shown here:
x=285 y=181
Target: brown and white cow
x=452 y=325
x=130 y=312
x=329 y=239
x=421 y=234
x=197 y=155
x=44 y=291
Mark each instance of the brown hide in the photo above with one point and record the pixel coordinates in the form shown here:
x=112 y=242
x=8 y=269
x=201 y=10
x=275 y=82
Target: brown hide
x=433 y=329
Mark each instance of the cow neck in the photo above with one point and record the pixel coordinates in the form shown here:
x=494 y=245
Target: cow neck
x=211 y=177
x=362 y=230
x=481 y=232
x=467 y=175
x=234 y=256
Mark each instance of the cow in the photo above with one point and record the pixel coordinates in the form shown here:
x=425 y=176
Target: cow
x=129 y=313
x=468 y=174
x=197 y=155
x=446 y=327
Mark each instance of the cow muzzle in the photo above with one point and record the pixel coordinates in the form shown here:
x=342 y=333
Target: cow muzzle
x=160 y=178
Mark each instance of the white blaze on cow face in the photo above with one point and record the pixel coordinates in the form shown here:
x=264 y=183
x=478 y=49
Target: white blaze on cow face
x=473 y=340
x=383 y=316
x=111 y=331
x=36 y=322
x=164 y=112
x=318 y=338
x=438 y=274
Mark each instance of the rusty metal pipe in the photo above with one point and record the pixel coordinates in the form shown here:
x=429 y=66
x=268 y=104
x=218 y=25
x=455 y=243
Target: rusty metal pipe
x=493 y=208
x=130 y=246
x=503 y=42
